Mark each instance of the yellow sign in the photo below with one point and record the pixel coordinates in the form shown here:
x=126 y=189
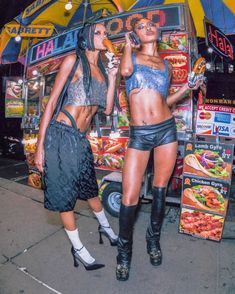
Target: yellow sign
x=39 y=31
x=36 y=5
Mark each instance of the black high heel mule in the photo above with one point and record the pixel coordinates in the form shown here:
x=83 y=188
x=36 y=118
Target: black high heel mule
x=101 y=229
x=88 y=266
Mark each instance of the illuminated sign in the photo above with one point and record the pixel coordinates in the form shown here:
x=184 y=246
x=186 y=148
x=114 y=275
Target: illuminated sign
x=166 y=18
x=218 y=41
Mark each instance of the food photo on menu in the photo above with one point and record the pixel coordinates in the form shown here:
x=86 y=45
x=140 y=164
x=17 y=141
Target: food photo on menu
x=179 y=64
x=208 y=195
x=209 y=160
x=13 y=90
x=201 y=224
x=108 y=153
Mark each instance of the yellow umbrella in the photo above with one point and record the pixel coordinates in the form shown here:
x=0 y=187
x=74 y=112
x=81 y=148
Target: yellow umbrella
x=49 y=13
x=219 y=12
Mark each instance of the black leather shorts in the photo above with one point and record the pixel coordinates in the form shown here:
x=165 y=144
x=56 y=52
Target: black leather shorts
x=150 y=136
x=69 y=172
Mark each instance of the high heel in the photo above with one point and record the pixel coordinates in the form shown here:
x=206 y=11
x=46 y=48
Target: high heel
x=101 y=229
x=88 y=266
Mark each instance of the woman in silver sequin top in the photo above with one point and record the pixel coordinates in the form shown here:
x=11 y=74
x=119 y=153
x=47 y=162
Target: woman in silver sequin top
x=152 y=128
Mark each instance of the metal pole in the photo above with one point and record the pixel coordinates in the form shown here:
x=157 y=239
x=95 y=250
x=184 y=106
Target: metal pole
x=85 y=10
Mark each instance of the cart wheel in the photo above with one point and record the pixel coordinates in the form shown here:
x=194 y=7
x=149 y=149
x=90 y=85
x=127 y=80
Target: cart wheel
x=111 y=198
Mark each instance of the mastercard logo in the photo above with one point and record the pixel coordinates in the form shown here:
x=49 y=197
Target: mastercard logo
x=205 y=115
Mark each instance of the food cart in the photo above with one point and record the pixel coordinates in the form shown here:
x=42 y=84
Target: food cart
x=177 y=43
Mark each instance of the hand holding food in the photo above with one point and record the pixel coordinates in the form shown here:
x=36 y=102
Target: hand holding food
x=109 y=45
x=197 y=73
x=110 y=53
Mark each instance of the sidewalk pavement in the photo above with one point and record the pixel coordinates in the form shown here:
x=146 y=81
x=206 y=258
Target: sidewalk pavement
x=35 y=253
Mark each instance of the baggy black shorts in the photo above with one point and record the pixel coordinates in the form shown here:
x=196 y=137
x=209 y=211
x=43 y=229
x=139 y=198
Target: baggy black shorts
x=69 y=172
x=150 y=136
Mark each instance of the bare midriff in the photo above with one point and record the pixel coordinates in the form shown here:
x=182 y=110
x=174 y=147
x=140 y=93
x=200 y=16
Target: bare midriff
x=81 y=114
x=147 y=107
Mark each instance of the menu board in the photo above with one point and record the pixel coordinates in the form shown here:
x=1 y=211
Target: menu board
x=209 y=160
x=173 y=41
x=14 y=105
x=207 y=172
x=174 y=47
x=180 y=66
x=208 y=195
x=201 y=224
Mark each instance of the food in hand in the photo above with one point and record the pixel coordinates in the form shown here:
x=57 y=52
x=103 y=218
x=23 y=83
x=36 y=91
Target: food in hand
x=205 y=197
x=208 y=162
x=109 y=45
x=198 y=72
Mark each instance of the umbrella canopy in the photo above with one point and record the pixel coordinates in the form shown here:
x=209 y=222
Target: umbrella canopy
x=52 y=13
x=220 y=12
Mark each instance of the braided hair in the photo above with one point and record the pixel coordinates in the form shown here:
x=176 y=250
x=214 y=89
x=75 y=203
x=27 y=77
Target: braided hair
x=85 y=40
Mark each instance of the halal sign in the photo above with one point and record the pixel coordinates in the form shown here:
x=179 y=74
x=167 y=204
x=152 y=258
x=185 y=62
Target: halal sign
x=218 y=40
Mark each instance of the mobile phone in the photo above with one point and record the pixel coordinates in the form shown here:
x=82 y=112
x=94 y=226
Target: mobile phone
x=134 y=38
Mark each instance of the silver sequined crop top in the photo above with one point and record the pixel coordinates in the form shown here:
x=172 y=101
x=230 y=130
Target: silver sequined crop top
x=77 y=96
x=145 y=77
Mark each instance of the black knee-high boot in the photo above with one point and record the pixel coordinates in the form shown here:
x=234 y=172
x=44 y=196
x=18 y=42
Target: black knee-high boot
x=154 y=229
x=125 y=240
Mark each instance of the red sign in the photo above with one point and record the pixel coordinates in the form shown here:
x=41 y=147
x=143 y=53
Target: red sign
x=218 y=41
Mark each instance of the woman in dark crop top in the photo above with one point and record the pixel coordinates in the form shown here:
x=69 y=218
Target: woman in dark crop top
x=152 y=127
x=63 y=152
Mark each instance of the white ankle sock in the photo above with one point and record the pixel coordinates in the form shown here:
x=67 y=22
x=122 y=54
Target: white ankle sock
x=77 y=244
x=102 y=219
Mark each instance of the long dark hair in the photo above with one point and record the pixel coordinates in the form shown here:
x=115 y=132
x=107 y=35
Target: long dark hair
x=85 y=40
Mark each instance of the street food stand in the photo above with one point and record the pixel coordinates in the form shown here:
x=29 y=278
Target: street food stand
x=177 y=43
x=109 y=137
x=43 y=61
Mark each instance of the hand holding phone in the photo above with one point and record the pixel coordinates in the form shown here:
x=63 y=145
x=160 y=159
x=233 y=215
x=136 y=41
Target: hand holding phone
x=134 y=39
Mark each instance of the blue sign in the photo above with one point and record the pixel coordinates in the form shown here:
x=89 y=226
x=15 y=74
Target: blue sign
x=222 y=117
x=166 y=17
